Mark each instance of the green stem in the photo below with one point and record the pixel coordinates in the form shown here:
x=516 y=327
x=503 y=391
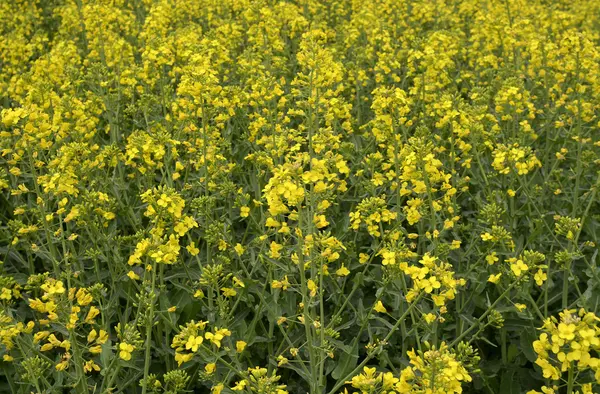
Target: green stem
x=571 y=379
x=306 y=301
x=112 y=376
x=482 y=317
x=565 y=289
x=371 y=354
x=149 y=324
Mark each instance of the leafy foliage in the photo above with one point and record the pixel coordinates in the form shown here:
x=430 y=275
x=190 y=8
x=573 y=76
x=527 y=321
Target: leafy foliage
x=324 y=196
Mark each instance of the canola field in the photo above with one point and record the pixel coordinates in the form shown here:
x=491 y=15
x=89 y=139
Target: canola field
x=300 y=196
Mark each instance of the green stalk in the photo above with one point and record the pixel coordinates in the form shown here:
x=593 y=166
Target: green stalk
x=112 y=376
x=565 y=289
x=306 y=302
x=485 y=314
x=149 y=324
x=571 y=379
x=371 y=354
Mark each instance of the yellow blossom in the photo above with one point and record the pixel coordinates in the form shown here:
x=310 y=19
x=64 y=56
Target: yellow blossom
x=379 y=307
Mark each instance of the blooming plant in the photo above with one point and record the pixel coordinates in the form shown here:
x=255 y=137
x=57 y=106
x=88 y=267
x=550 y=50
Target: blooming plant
x=284 y=196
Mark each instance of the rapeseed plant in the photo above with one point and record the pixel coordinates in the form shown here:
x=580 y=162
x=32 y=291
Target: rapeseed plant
x=327 y=196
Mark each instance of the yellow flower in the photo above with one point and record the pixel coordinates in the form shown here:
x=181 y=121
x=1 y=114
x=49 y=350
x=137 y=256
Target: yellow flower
x=192 y=249
x=90 y=366
x=194 y=342
x=40 y=336
x=429 y=318
x=487 y=237
x=270 y=222
x=6 y=294
x=228 y=292
x=92 y=313
x=521 y=307
x=133 y=276
x=210 y=368
x=244 y=211
x=281 y=360
x=491 y=258
x=275 y=250
x=540 y=277
x=218 y=388
x=183 y=358
x=342 y=271
x=240 y=346
x=62 y=365
x=102 y=337
x=320 y=221
x=379 y=307
x=84 y=297
x=494 y=278
x=95 y=349
x=312 y=286
x=92 y=336
x=237 y=282
x=567 y=331
x=518 y=267
x=388 y=257
x=217 y=336
x=281 y=284
x=239 y=249
x=52 y=287
x=125 y=351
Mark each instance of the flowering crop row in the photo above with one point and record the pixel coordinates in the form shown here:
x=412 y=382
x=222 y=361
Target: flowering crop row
x=299 y=196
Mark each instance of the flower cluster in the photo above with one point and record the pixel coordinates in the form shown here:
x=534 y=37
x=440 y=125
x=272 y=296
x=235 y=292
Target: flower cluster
x=191 y=189
x=437 y=370
x=570 y=344
x=433 y=277
x=188 y=341
x=372 y=212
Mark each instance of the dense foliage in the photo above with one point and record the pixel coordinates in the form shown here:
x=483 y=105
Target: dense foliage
x=316 y=196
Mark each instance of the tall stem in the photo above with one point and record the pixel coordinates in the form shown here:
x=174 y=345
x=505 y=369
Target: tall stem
x=149 y=324
x=571 y=379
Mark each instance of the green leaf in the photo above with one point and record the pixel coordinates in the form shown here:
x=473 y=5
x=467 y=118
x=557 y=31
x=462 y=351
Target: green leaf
x=526 y=338
x=509 y=382
x=346 y=363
